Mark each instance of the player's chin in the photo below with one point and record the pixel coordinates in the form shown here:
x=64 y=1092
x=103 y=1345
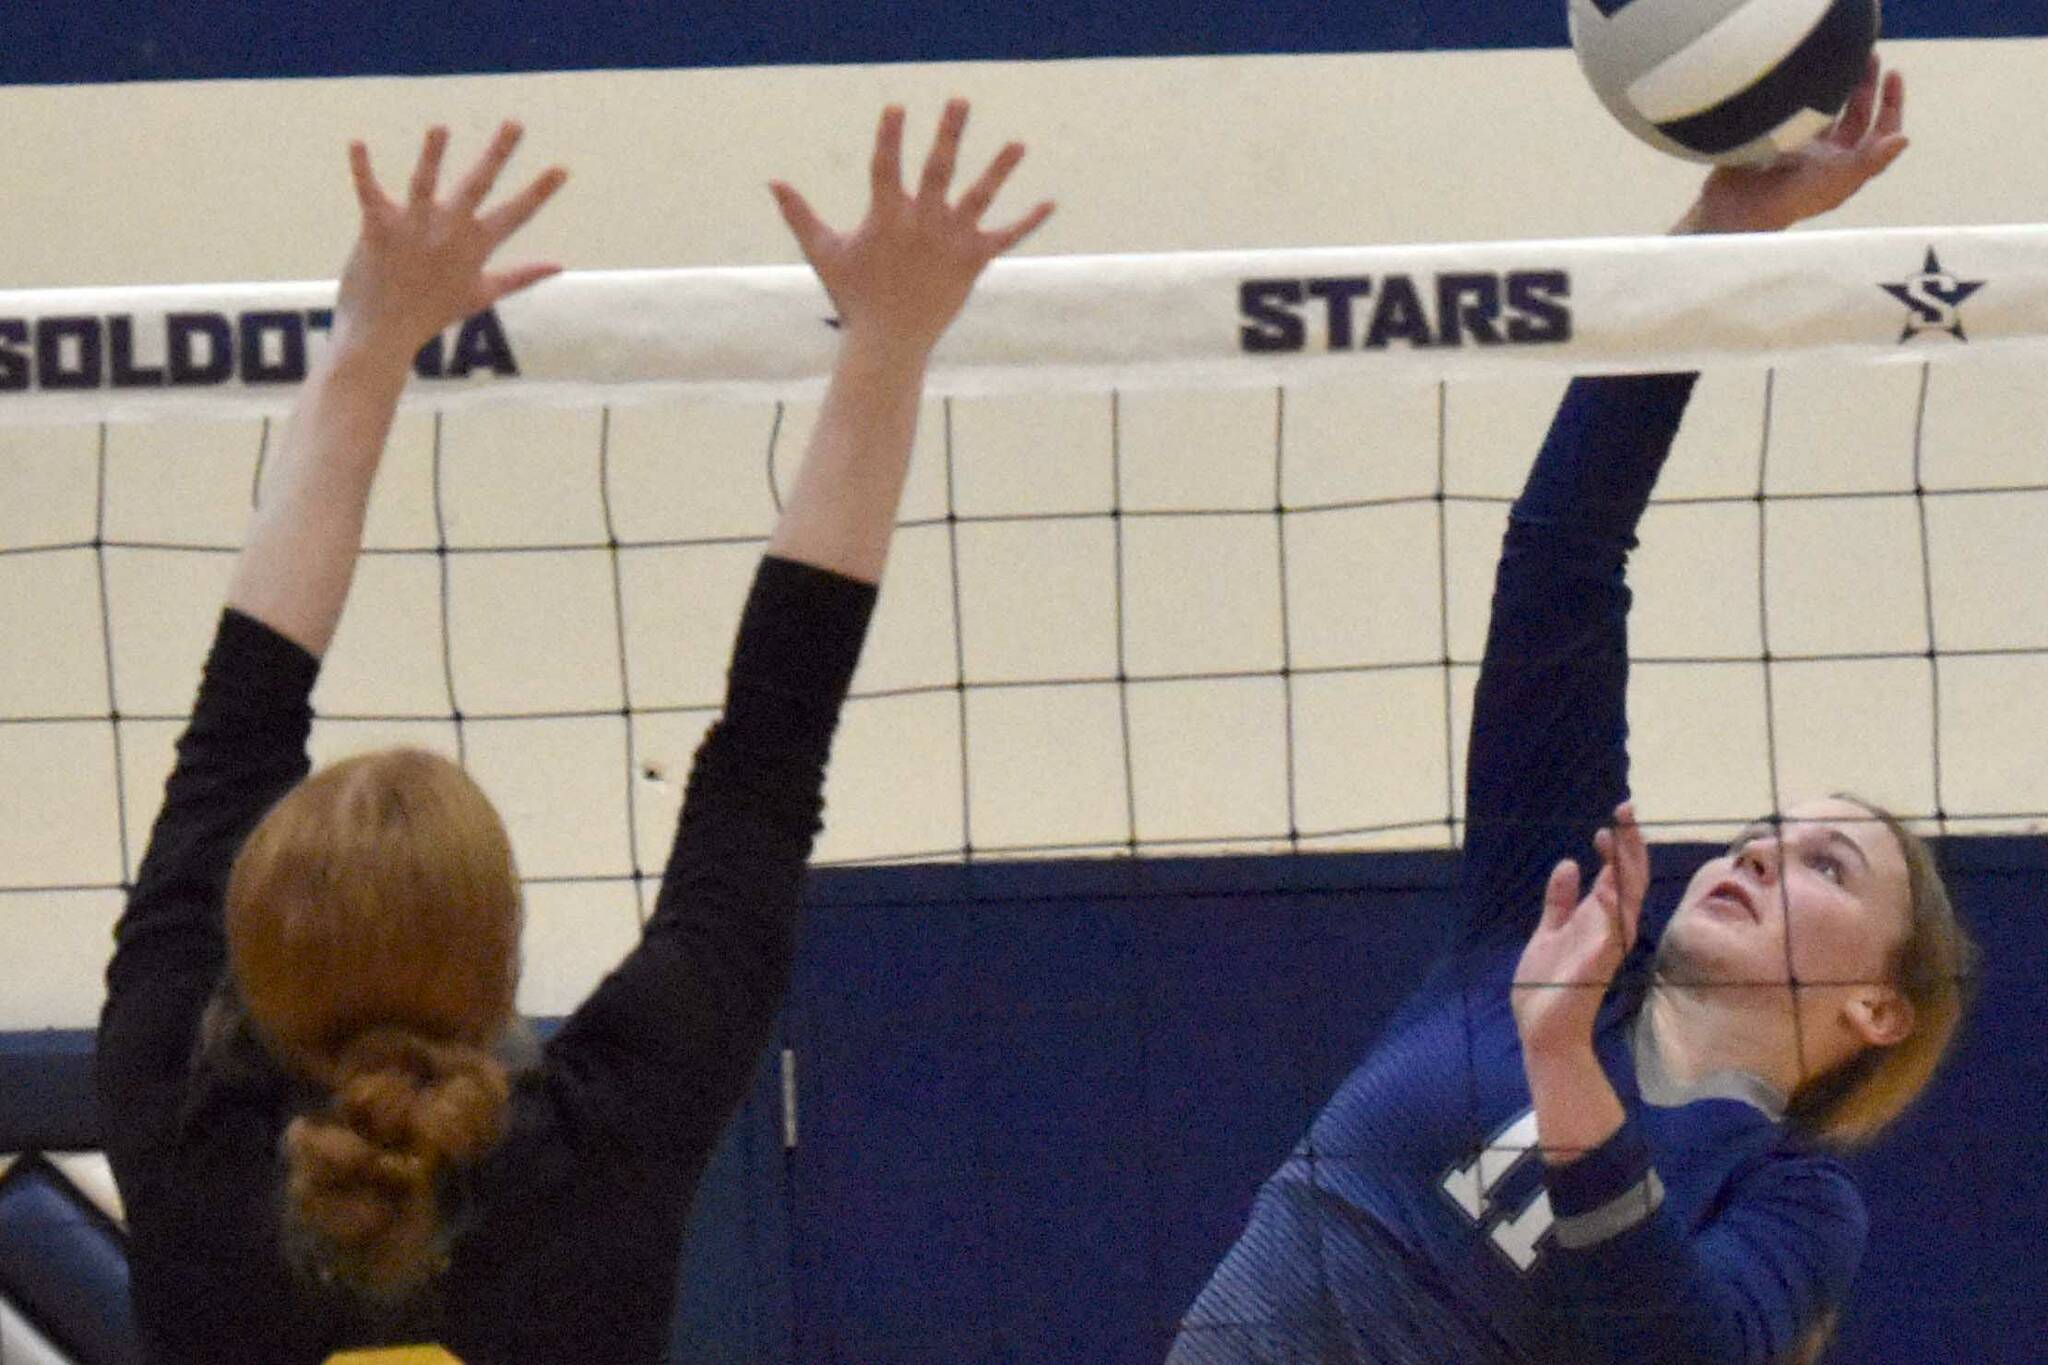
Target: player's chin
x=1703 y=947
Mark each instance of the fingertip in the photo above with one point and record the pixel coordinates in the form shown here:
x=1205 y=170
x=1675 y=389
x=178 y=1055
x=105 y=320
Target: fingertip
x=1563 y=888
x=889 y=135
x=527 y=276
x=359 y=171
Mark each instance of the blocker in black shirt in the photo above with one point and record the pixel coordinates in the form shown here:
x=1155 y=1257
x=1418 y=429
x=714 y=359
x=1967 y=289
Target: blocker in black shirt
x=569 y=1231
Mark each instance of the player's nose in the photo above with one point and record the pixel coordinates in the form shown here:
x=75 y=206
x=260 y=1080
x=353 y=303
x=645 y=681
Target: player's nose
x=1762 y=858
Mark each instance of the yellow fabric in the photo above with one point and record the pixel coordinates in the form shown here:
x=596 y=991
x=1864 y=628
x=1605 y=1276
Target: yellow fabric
x=395 y=1355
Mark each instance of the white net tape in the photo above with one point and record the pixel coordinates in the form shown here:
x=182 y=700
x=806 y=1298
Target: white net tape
x=1196 y=320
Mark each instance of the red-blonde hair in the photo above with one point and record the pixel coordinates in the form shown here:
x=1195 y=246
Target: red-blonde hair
x=1934 y=969
x=373 y=925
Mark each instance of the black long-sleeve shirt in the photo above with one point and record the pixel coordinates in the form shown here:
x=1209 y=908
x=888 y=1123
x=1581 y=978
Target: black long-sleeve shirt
x=571 y=1228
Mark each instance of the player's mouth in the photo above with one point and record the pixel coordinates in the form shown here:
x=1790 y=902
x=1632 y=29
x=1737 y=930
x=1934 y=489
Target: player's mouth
x=1731 y=898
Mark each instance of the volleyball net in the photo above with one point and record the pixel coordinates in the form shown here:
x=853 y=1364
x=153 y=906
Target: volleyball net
x=1196 y=555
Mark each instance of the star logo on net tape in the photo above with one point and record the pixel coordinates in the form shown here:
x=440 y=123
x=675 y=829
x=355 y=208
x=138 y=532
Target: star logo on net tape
x=1935 y=297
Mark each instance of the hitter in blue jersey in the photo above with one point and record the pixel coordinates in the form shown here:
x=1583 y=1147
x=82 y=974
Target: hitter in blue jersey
x=1578 y=1142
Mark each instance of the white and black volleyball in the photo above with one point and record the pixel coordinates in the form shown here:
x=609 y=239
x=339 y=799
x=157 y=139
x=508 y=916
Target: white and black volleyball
x=1730 y=81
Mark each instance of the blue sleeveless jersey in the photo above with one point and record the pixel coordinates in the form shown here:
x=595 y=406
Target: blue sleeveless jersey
x=1415 y=1221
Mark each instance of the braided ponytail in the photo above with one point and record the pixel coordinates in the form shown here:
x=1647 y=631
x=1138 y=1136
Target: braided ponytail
x=362 y=1177
x=373 y=922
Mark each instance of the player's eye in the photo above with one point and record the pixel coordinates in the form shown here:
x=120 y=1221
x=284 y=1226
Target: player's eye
x=1829 y=866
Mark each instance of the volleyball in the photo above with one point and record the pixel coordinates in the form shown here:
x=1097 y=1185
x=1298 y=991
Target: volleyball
x=1736 y=82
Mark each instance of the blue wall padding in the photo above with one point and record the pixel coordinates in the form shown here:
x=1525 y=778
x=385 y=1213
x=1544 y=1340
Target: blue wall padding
x=1957 y=1191
x=63 y=1267
x=1034 y=1123
x=1035 y=1102
x=118 y=40
x=46 y=1091
x=1031 y=1122
x=733 y=1306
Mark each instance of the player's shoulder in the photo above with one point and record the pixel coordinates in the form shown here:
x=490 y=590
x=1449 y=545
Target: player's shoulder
x=1811 y=1183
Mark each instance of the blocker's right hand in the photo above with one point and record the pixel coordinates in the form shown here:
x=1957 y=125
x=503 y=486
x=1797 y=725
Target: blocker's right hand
x=418 y=267
x=903 y=274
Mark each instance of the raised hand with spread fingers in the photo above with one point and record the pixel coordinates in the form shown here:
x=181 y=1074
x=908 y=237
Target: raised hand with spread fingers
x=417 y=268
x=904 y=271
x=898 y=280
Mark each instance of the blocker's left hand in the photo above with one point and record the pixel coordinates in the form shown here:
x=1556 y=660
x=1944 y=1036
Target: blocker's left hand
x=1579 y=944
x=1819 y=177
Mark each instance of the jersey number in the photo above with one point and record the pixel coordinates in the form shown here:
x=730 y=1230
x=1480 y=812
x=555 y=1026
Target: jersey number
x=1517 y=1233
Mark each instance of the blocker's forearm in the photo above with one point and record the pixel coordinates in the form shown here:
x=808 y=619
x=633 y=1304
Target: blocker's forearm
x=842 y=512
x=300 y=556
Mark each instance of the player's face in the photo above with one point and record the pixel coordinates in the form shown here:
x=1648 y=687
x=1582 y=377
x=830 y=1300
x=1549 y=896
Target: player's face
x=1821 y=897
